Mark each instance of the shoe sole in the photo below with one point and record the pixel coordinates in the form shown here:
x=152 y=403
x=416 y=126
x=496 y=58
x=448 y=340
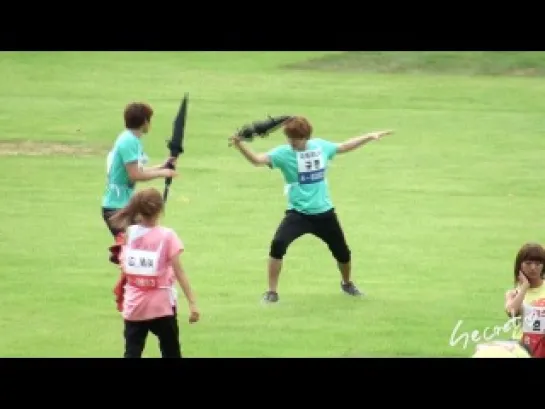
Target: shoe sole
x=352 y=295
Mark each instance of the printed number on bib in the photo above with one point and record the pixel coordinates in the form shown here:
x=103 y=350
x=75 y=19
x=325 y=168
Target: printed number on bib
x=537 y=326
x=310 y=166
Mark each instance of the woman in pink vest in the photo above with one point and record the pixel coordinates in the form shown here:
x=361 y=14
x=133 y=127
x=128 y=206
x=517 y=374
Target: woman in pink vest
x=150 y=261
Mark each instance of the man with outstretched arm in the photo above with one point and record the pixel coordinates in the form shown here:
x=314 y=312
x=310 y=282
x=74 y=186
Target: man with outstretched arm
x=303 y=162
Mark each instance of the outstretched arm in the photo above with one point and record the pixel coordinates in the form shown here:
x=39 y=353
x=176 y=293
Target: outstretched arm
x=256 y=159
x=359 y=141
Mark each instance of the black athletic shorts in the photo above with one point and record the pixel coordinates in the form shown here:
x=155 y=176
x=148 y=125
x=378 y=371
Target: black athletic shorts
x=325 y=226
x=106 y=214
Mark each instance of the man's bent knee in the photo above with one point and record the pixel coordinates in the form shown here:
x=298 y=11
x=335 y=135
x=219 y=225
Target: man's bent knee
x=342 y=255
x=278 y=249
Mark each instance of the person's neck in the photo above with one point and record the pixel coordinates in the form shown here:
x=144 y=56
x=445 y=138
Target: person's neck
x=536 y=283
x=136 y=132
x=150 y=223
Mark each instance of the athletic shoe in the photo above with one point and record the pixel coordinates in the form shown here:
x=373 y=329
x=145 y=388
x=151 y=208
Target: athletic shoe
x=270 y=296
x=350 y=289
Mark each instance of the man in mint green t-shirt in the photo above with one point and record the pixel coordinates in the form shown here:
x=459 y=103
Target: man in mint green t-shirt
x=124 y=168
x=303 y=162
x=127 y=149
x=125 y=162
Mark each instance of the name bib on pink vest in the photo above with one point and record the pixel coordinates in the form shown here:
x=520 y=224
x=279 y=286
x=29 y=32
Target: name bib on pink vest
x=141 y=266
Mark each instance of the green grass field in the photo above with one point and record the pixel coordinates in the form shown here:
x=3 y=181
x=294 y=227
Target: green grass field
x=434 y=214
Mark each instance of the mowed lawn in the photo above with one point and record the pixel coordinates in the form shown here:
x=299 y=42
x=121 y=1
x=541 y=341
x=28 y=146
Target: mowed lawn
x=434 y=214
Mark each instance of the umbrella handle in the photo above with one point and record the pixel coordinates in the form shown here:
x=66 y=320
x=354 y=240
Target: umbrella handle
x=168 y=181
x=169 y=165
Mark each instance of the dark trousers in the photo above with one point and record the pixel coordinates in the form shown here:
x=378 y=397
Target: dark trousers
x=164 y=328
x=325 y=226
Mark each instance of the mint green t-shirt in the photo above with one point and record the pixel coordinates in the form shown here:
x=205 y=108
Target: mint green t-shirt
x=305 y=174
x=119 y=189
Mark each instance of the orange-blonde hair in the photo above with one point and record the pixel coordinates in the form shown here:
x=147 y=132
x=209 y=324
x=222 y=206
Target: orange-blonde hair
x=298 y=127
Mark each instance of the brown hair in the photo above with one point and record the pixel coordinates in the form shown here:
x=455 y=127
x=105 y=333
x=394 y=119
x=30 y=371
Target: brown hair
x=529 y=252
x=147 y=203
x=136 y=114
x=298 y=127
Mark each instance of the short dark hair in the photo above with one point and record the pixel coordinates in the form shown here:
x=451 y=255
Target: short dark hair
x=529 y=252
x=136 y=114
x=297 y=127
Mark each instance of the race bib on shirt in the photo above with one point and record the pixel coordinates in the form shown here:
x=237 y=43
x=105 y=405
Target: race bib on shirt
x=140 y=262
x=534 y=320
x=310 y=166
